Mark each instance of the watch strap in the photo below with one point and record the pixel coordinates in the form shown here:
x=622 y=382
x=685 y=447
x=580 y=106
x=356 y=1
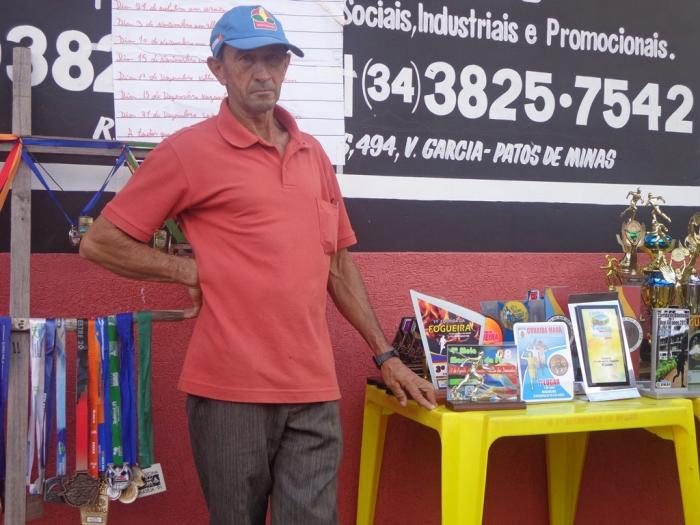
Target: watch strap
x=381 y=358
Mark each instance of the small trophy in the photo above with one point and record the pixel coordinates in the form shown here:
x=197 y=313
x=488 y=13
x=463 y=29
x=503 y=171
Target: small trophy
x=690 y=283
x=630 y=238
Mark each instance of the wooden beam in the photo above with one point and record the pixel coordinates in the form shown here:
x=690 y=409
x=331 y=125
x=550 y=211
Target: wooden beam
x=20 y=239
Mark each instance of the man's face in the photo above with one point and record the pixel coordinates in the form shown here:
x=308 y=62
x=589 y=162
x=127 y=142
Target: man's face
x=252 y=78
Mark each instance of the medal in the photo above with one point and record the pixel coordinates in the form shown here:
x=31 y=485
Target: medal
x=53 y=490
x=118 y=477
x=130 y=494
x=84 y=223
x=35 y=507
x=160 y=240
x=78 y=490
x=74 y=236
x=138 y=476
x=113 y=493
x=97 y=512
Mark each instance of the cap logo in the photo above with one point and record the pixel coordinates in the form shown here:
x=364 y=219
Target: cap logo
x=262 y=19
x=219 y=38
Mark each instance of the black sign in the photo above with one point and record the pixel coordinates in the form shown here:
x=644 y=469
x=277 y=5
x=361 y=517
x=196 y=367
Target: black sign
x=72 y=92
x=522 y=90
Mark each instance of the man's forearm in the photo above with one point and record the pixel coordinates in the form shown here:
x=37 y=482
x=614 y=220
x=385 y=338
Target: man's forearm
x=107 y=246
x=350 y=297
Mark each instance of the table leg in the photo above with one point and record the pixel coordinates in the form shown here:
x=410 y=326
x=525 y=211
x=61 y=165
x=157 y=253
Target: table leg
x=566 y=454
x=465 y=452
x=687 y=462
x=373 y=433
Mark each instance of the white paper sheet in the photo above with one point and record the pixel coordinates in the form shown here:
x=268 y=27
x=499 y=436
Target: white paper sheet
x=162 y=83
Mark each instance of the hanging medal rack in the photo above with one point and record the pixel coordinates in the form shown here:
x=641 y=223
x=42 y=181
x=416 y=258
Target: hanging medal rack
x=22 y=324
x=20 y=173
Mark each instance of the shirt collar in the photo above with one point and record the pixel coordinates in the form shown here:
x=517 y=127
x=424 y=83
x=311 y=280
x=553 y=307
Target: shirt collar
x=239 y=136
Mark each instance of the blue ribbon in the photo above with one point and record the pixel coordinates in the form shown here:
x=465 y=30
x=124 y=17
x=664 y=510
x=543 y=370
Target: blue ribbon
x=104 y=430
x=125 y=327
x=29 y=161
x=48 y=384
x=5 y=344
x=61 y=453
x=71 y=143
x=121 y=159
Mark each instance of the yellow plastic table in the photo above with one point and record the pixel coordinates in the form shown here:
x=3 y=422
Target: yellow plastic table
x=467 y=436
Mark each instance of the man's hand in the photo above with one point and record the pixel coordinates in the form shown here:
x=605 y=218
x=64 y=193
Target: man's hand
x=401 y=380
x=196 y=296
x=188 y=275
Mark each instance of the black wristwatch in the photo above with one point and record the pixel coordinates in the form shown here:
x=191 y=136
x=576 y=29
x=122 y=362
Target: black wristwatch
x=381 y=358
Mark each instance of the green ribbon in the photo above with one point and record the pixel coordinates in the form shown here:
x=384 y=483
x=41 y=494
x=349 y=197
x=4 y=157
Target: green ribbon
x=143 y=322
x=115 y=391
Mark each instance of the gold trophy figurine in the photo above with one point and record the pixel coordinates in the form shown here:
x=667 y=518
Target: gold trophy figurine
x=657 y=241
x=636 y=198
x=612 y=272
x=630 y=238
x=659 y=275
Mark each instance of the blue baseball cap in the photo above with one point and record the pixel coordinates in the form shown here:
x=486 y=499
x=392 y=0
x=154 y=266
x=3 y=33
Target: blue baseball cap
x=249 y=27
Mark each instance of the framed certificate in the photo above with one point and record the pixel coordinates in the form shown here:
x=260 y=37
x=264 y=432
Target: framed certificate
x=602 y=345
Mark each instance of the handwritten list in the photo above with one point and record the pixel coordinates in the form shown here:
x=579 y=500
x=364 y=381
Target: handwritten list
x=162 y=82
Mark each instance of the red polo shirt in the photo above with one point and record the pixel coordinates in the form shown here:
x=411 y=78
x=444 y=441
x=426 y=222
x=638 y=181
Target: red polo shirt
x=262 y=228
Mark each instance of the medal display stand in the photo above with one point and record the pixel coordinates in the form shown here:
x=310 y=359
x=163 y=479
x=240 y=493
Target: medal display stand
x=17 y=508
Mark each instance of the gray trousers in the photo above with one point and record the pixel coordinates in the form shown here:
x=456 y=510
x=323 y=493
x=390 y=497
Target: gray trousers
x=246 y=453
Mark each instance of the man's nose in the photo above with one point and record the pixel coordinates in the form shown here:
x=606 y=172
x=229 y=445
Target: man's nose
x=261 y=70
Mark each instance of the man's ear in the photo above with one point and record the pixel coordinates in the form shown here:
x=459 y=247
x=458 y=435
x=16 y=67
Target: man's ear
x=286 y=65
x=216 y=66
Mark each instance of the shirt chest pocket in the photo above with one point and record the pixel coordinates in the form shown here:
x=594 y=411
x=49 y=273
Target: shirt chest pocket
x=328 y=225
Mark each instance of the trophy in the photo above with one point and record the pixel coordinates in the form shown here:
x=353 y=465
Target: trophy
x=690 y=283
x=659 y=276
x=630 y=239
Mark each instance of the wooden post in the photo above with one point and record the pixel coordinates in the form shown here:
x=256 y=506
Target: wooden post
x=15 y=492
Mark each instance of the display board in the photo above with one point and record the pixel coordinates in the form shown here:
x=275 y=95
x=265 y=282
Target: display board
x=469 y=126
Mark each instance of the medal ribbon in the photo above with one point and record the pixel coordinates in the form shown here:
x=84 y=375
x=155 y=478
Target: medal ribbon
x=125 y=329
x=143 y=321
x=60 y=349
x=104 y=448
x=48 y=393
x=114 y=393
x=7 y=174
x=35 y=433
x=5 y=343
x=31 y=163
x=81 y=398
x=94 y=399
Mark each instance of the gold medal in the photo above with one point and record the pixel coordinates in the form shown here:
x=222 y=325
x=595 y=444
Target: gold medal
x=97 y=513
x=160 y=240
x=129 y=494
x=84 y=223
x=138 y=477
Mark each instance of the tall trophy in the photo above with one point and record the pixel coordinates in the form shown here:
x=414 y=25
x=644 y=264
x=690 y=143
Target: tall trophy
x=659 y=276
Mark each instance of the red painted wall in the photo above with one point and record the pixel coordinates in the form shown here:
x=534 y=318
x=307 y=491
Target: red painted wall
x=629 y=476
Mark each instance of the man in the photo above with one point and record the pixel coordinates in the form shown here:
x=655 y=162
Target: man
x=260 y=205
